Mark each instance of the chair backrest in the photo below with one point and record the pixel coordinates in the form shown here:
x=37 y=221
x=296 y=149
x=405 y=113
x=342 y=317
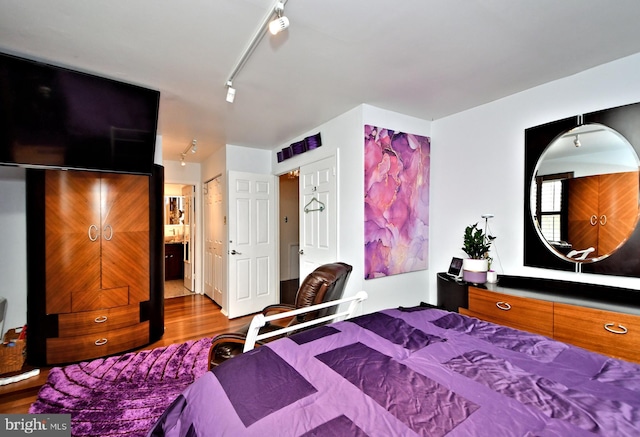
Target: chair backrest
x=324 y=284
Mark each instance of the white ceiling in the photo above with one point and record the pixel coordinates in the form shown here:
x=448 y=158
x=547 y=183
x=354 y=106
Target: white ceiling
x=424 y=58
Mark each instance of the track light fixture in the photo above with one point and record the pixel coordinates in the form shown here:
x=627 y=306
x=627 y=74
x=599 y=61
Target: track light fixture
x=275 y=26
x=576 y=142
x=280 y=23
x=193 y=147
x=231 y=92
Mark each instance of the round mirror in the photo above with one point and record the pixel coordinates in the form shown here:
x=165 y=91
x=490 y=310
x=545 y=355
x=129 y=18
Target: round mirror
x=585 y=193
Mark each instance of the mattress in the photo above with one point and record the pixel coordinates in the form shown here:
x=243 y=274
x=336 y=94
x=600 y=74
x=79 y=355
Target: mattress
x=411 y=372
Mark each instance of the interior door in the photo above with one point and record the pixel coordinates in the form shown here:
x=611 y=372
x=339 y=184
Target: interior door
x=318 y=215
x=189 y=236
x=208 y=270
x=252 y=278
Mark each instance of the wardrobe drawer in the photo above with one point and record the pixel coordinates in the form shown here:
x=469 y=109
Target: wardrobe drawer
x=517 y=312
x=606 y=332
x=86 y=347
x=90 y=322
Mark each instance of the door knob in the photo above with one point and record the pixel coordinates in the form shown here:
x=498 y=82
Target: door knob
x=233 y=252
x=301 y=252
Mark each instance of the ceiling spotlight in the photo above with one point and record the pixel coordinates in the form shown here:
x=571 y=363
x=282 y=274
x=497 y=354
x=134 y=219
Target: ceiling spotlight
x=194 y=146
x=280 y=23
x=231 y=92
x=182 y=162
x=576 y=142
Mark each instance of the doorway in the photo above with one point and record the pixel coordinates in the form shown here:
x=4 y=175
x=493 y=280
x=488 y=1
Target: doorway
x=289 y=223
x=179 y=232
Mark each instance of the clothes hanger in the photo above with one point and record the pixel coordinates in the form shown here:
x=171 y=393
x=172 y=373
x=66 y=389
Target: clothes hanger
x=319 y=208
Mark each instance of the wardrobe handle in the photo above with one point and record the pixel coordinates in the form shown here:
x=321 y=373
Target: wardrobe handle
x=593 y=220
x=620 y=330
x=603 y=220
x=93 y=237
x=504 y=306
x=104 y=232
x=100 y=319
x=100 y=342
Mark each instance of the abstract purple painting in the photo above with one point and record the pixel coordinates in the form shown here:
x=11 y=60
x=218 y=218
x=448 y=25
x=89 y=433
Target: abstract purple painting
x=396 y=202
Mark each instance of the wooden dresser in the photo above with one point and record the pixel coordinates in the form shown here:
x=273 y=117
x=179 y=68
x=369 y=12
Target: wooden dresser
x=92 y=243
x=599 y=318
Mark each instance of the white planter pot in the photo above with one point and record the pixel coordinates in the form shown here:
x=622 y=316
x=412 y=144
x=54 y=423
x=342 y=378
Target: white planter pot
x=475 y=270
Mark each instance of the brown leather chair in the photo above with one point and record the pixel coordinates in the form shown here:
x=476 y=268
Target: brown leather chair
x=324 y=284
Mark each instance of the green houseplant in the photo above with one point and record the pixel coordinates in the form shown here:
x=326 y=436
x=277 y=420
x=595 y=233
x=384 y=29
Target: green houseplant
x=476 y=245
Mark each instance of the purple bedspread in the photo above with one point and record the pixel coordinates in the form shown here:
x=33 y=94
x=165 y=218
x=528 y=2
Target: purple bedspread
x=411 y=373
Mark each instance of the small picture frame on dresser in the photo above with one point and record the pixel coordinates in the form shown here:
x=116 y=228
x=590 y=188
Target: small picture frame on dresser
x=455 y=268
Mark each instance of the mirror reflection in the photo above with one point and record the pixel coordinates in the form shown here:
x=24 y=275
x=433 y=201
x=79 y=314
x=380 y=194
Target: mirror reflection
x=585 y=193
x=174 y=210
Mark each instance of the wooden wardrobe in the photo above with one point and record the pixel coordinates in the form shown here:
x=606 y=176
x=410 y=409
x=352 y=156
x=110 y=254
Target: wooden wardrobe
x=94 y=286
x=603 y=211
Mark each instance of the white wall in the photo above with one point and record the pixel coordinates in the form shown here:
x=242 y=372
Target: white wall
x=344 y=136
x=13 y=245
x=478 y=158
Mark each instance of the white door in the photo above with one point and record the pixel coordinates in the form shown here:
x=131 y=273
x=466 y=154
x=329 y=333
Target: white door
x=218 y=238
x=189 y=236
x=214 y=242
x=208 y=269
x=318 y=215
x=252 y=278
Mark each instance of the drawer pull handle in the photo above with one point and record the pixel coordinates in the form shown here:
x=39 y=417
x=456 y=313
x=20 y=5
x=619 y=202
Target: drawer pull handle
x=621 y=329
x=504 y=306
x=100 y=341
x=100 y=319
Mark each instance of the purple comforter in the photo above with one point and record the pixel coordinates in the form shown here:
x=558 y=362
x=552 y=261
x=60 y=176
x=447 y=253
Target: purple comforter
x=417 y=372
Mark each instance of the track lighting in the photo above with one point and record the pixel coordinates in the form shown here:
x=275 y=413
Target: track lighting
x=231 y=92
x=193 y=147
x=275 y=26
x=280 y=23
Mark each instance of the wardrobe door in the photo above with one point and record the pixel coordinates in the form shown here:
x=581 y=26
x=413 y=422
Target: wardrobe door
x=72 y=237
x=618 y=209
x=125 y=234
x=583 y=213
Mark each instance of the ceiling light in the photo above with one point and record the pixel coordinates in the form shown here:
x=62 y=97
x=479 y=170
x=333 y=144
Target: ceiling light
x=274 y=25
x=231 y=92
x=576 y=142
x=193 y=147
x=280 y=23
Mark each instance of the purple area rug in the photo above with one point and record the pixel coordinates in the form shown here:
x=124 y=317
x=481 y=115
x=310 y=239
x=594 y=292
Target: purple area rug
x=123 y=395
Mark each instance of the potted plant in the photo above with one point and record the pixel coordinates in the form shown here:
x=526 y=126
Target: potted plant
x=476 y=245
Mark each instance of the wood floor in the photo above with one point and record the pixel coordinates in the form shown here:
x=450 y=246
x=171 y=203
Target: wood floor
x=186 y=318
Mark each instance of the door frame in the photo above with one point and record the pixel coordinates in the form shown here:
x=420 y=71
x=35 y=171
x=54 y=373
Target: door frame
x=198 y=253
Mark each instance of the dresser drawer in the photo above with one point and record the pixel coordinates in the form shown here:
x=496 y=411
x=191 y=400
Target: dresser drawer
x=606 y=332
x=91 y=322
x=517 y=312
x=86 y=347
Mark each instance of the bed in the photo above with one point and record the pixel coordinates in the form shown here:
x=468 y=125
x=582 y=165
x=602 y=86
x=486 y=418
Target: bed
x=417 y=371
